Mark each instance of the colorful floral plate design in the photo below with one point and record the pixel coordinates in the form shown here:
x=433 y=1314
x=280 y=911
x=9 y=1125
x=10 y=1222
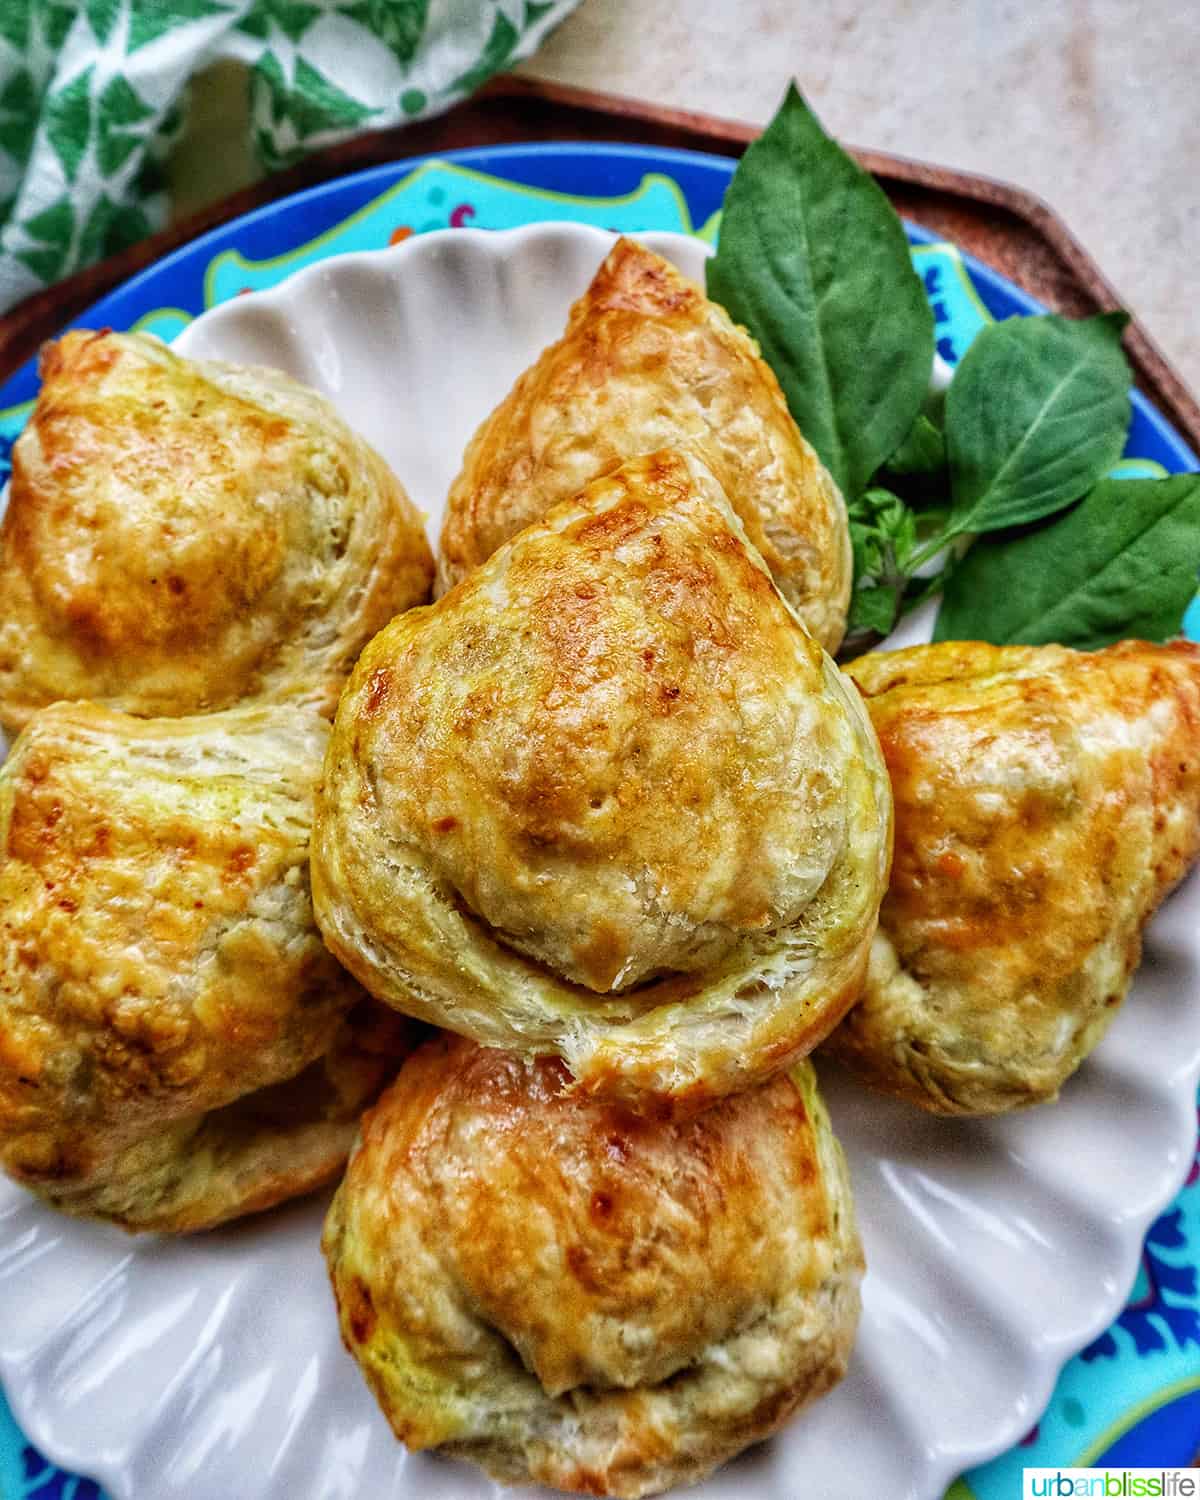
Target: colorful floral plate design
x=1132 y=1396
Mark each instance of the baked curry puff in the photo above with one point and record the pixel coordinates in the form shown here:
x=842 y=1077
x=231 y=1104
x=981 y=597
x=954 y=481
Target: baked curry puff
x=648 y=362
x=176 y=1045
x=573 y=1295
x=1046 y=802
x=185 y=535
x=607 y=799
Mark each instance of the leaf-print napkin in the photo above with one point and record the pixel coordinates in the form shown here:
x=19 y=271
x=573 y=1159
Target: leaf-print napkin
x=92 y=95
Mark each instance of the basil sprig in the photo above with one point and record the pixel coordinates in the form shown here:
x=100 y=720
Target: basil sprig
x=1036 y=414
x=814 y=261
x=1122 y=563
x=883 y=534
x=923 y=451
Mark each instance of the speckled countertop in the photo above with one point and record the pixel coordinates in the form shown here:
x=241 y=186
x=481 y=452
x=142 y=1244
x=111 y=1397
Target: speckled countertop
x=1093 y=104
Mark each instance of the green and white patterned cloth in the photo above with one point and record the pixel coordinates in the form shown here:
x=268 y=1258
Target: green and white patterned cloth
x=92 y=95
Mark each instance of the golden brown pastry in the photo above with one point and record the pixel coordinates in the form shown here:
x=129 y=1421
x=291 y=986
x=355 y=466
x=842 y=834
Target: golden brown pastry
x=185 y=535
x=1046 y=802
x=608 y=799
x=570 y=1294
x=647 y=362
x=163 y=986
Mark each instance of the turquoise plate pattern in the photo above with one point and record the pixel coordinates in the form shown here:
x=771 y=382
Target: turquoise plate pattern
x=1133 y=1396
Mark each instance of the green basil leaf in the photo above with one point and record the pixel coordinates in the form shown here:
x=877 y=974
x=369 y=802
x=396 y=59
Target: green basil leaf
x=923 y=451
x=1036 y=414
x=883 y=532
x=1123 y=563
x=877 y=509
x=872 y=611
x=813 y=259
x=868 y=546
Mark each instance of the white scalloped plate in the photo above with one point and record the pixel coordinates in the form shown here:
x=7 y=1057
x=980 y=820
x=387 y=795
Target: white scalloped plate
x=211 y=1367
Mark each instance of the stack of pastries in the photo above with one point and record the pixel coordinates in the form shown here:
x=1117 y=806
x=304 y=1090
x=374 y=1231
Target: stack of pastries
x=595 y=854
x=192 y=557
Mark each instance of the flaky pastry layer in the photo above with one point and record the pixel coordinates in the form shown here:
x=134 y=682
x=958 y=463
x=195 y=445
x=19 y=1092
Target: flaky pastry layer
x=1046 y=801
x=648 y=362
x=162 y=980
x=608 y=799
x=184 y=535
x=569 y=1294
